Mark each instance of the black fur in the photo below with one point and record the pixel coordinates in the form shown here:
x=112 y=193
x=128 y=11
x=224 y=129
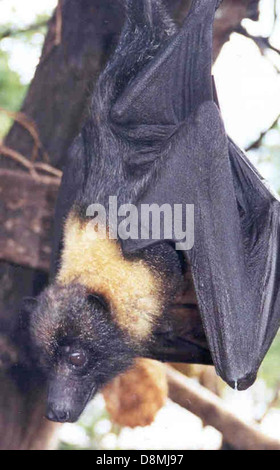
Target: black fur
x=67 y=318
x=106 y=170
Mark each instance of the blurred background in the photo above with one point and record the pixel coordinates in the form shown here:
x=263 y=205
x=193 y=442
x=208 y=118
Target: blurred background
x=247 y=75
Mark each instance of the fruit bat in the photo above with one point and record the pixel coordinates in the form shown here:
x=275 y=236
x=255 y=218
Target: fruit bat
x=155 y=136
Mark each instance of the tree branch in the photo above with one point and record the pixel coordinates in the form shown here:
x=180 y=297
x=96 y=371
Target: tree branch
x=31 y=128
x=272 y=403
x=16 y=32
x=257 y=143
x=262 y=42
x=29 y=165
x=212 y=411
x=229 y=17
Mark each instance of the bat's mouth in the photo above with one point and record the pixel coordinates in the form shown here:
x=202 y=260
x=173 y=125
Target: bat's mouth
x=66 y=407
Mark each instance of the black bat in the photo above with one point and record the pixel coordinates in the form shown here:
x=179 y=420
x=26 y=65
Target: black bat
x=155 y=136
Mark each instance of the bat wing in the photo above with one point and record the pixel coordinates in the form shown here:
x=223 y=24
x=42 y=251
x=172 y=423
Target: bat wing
x=234 y=260
x=197 y=172
x=181 y=337
x=183 y=340
x=259 y=211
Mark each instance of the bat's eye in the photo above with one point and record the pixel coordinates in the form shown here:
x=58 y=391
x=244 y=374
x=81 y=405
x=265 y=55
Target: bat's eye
x=78 y=359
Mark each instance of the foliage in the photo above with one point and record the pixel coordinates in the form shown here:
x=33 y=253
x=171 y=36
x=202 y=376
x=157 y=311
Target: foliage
x=266 y=157
x=270 y=368
x=25 y=33
x=11 y=92
x=12 y=89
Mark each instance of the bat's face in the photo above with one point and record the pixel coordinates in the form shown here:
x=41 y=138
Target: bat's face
x=72 y=383
x=78 y=346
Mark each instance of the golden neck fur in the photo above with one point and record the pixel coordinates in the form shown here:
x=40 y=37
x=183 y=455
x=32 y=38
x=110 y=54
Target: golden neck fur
x=131 y=287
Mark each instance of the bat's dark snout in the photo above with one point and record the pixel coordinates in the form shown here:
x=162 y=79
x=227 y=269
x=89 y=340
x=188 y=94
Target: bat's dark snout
x=57 y=415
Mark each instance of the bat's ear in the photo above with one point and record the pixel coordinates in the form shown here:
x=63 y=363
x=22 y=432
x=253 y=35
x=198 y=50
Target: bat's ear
x=177 y=80
x=27 y=308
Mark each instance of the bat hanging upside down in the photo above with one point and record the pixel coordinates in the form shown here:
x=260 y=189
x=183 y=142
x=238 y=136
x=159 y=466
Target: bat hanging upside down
x=155 y=136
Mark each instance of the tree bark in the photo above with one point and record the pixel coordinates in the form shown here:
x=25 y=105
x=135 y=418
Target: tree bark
x=80 y=38
x=26 y=222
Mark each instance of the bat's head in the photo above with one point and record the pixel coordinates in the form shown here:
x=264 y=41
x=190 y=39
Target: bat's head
x=78 y=347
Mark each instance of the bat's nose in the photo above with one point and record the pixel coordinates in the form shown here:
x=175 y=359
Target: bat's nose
x=57 y=415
